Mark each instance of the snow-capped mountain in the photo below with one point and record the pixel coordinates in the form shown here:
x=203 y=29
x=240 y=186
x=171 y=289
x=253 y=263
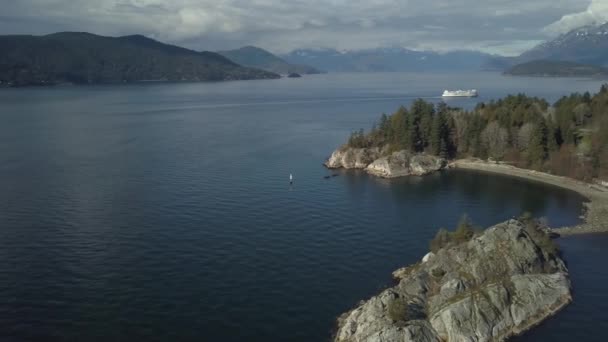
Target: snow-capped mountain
x=587 y=45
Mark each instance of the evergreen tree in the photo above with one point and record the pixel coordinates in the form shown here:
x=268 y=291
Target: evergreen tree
x=398 y=131
x=451 y=143
x=552 y=141
x=412 y=137
x=537 y=149
x=384 y=125
x=439 y=135
x=473 y=136
x=421 y=121
x=587 y=97
x=435 y=139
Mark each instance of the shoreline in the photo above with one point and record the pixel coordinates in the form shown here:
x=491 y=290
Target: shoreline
x=595 y=217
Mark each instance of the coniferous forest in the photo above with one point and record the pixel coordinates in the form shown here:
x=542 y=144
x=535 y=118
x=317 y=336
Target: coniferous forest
x=568 y=138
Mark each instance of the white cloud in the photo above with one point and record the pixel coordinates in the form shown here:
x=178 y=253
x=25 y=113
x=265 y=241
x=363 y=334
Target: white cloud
x=595 y=14
x=282 y=25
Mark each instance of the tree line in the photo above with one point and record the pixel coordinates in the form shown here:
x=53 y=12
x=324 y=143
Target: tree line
x=568 y=138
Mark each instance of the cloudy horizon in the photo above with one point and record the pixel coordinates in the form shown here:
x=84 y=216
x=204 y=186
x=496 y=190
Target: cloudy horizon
x=499 y=26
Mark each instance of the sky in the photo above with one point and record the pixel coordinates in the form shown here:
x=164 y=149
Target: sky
x=506 y=27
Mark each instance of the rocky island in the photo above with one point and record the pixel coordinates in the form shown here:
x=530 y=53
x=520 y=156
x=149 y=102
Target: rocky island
x=490 y=287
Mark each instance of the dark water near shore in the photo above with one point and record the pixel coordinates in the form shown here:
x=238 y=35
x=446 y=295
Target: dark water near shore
x=163 y=212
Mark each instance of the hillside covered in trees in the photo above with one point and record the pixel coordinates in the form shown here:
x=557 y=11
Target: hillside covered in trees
x=557 y=69
x=568 y=138
x=84 y=58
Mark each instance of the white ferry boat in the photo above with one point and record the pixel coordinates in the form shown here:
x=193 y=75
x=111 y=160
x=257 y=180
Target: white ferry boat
x=460 y=93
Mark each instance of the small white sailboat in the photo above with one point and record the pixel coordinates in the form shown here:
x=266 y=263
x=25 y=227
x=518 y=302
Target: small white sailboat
x=290 y=178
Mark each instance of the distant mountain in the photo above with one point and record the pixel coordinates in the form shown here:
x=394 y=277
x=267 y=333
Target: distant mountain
x=556 y=68
x=84 y=58
x=587 y=45
x=387 y=59
x=498 y=63
x=255 y=57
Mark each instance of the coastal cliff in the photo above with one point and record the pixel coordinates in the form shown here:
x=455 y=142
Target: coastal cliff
x=403 y=163
x=376 y=162
x=497 y=285
x=353 y=158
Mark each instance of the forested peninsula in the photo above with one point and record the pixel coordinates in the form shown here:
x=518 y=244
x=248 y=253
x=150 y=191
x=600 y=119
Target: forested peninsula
x=497 y=283
x=568 y=138
x=563 y=144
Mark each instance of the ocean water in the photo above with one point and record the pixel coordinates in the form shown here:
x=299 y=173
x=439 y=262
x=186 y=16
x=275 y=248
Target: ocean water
x=164 y=212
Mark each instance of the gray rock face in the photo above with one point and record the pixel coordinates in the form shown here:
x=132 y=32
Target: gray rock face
x=352 y=158
x=398 y=164
x=403 y=163
x=497 y=285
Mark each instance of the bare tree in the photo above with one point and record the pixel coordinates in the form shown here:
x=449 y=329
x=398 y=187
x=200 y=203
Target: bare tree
x=461 y=125
x=525 y=135
x=496 y=140
x=582 y=113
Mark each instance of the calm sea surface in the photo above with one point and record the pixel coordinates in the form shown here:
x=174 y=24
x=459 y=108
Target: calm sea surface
x=163 y=211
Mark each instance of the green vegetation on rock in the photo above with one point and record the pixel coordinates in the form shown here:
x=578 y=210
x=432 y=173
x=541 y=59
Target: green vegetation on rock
x=464 y=232
x=422 y=128
x=496 y=285
x=398 y=310
x=538 y=233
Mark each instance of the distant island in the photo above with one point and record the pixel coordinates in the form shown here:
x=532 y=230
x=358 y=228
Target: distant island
x=85 y=58
x=556 y=69
x=255 y=57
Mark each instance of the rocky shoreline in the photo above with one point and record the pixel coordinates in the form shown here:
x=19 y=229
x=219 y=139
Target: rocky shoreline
x=381 y=163
x=595 y=217
x=499 y=284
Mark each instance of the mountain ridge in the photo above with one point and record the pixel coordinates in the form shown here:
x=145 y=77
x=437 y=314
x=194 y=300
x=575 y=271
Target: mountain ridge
x=586 y=45
x=387 y=59
x=86 y=58
x=256 y=57
x=550 y=68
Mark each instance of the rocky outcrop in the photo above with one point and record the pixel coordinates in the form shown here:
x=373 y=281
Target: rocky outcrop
x=353 y=158
x=499 y=284
x=403 y=163
x=398 y=164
